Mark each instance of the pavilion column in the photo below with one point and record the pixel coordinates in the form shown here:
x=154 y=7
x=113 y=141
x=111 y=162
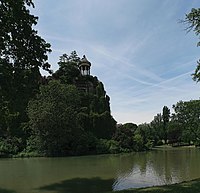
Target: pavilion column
x=84 y=66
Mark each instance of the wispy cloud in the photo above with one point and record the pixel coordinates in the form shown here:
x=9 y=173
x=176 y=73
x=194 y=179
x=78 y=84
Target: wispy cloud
x=137 y=48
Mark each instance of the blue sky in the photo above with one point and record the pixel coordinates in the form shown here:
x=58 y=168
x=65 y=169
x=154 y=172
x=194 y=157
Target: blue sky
x=137 y=48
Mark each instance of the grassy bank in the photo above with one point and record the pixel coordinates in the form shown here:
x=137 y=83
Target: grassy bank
x=192 y=186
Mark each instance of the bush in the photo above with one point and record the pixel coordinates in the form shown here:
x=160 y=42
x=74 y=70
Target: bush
x=10 y=146
x=197 y=143
x=113 y=146
x=84 y=144
x=149 y=145
x=102 y=146
x=33 y=145
x=27 y=154
x=159 y=142
x=107 y=146
x=138 y=142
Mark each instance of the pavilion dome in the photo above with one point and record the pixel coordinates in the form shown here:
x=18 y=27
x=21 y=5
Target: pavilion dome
x=84 y=62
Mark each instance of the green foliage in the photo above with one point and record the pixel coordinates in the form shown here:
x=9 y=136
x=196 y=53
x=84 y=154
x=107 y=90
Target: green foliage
x=10 y=146
x=53 y=117
x=183 y=127
x=95 y=99
x=108 y=146
x=113 y=146
x=102 y=147
x=145 y=131
x=139 y=142
x=85 y=143
x=124 y=135
x=149 y=145
x=60 y=124
x=187 y=114
x=165 y=117
x=159 y=142
x=95 y=104
x=68 y=68
x=130 y=137
x=33 y=146
x=20 y=45
x=63 y=118
x=192 y=19
x=71 y=114
x=100 y=92
x=157 y=126
x=174 y=132
x=103 y=125
x=145 y=137
x=22 y=53
x=6 y=119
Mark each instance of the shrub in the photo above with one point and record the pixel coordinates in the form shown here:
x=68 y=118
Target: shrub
x=159 y=142
x=138 y=142
x=10 y=146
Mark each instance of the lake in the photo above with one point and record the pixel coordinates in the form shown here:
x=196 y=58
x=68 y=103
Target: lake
x=100 y=173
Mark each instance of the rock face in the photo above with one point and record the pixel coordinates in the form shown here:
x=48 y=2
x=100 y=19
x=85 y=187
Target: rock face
x=85 y=84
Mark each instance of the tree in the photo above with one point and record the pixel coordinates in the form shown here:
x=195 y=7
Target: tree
x=148 y=136
x=20 y=45
x=157 y=125
x=165 y=117
x=192 y=19
x=124 y=136
x=188 y=116
x=174 y=132
x=54 y=118
x=68 y=68
x=22 y=53
x=102 y=125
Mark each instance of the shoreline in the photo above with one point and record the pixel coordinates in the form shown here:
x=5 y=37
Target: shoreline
x=37 y=155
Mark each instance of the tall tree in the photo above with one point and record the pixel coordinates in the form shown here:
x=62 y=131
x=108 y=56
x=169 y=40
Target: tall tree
x=22 y=53
x=188 y=116
x=157 y=125
x=68 y=68
x=165 y=116
x=124 y=135
x=20 y=46
x=192 y=19
x=53 y=118
x=174 y=132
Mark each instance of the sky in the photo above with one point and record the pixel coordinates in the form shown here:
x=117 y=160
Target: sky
x=139 y=49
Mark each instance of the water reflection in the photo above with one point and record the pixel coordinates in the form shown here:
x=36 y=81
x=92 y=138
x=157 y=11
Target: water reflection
x=159 y=167
x=99 y=173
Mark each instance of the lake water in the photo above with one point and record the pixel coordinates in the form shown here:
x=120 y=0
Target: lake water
x=95 y=174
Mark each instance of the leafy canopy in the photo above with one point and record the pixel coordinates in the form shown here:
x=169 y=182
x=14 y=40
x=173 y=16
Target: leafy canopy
x=54 y=117
x=192 y=19
x=22 y=53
